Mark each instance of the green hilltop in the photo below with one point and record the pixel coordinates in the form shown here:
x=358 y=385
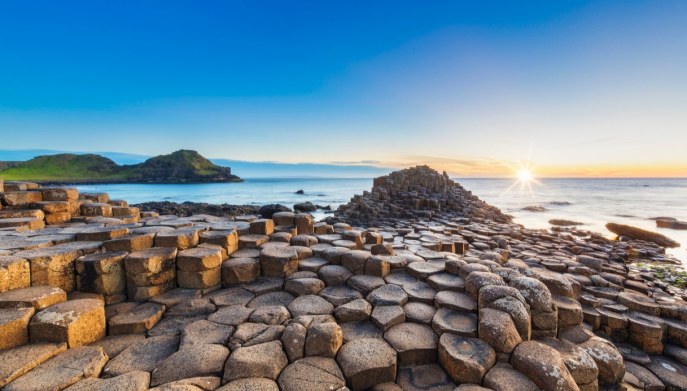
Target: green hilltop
x=183 y=166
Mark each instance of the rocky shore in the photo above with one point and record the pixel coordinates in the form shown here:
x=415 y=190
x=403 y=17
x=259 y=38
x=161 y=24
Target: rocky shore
x=414 y=285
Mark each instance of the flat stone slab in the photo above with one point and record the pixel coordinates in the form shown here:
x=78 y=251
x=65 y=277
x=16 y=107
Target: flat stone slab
x=419 y=312
x=38 y=297
x=232 y=315
x=263 y=360
x=138 y=320
x=176 y=296
x=415 y=344
x=191 y=361
x=18 y=361
x=250 y=384
x=150 y=260
x=455 y=322
x=203 y=332
x=424 y=377
x=388 y=295
x=457 y=301
x=387 y=316
x=310 y=305
x=132 y=381
x=142 y=356
x=115 y=344
x=62 y=370
x=353 y=311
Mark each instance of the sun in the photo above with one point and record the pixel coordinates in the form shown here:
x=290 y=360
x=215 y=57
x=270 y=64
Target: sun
x=525 y=175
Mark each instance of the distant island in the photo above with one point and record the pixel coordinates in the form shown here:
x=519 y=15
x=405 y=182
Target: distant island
x=183 y=166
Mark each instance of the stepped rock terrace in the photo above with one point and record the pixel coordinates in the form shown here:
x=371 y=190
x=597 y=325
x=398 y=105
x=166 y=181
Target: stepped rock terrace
x=415 y=285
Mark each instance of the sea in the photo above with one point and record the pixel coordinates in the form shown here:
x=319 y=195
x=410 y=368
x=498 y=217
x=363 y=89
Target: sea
x=593 y=202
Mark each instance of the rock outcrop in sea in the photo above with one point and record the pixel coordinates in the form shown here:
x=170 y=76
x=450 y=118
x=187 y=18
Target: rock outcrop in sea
x=415 y=285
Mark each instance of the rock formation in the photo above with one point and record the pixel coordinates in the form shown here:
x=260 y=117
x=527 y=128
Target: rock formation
x=437 y=290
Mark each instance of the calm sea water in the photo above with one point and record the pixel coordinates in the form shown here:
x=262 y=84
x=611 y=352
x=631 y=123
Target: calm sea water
x=593 y=202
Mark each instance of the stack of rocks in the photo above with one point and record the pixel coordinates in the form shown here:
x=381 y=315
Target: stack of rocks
x=103 y=273
x=442 y=300
x=150 y=272
x=414 y=193
x=28 y=206
x=199 y=268
x=59 y=205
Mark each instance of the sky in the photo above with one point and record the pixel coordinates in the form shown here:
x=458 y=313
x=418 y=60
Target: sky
x=477 y=88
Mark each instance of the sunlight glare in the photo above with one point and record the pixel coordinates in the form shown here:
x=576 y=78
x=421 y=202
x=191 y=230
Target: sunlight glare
x=525 y=175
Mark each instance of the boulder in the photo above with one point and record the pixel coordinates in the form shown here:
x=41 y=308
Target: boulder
x=641 y=234
x=366 y=362
x=543 y=365
x=466 y=360
x=324 y=340
x=503 y=377
x=498 y=330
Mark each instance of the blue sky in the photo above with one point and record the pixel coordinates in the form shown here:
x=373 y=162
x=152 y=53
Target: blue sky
x=577 y=88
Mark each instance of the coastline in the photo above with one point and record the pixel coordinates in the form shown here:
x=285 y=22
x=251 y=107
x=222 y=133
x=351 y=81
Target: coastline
x=414 y=267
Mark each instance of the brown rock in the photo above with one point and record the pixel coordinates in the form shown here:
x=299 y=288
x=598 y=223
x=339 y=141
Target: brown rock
x=324 y=340
x=138 y=320
x=76 y=322
x=38 y=297
x=18 y=361
x=62 y=370
x=250 y=384
x=142 y=356
x=498 y=330
x=641 y=234
x=415 y=344
x=543 y=365
x=505 y=378
x=466 y=360
x=293 y=341
x=132 y=381
x=312 y=374
x=181 y=238
x=52 y=266
x=278 y=262
x=263 y=360
x=191 y=361
x=366 y=362
x=14 y=326
x=14 y=273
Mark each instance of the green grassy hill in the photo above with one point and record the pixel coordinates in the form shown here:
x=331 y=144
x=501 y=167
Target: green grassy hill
x=182 y=166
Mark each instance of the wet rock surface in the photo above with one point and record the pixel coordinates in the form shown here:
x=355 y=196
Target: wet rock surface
x=415 y=285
